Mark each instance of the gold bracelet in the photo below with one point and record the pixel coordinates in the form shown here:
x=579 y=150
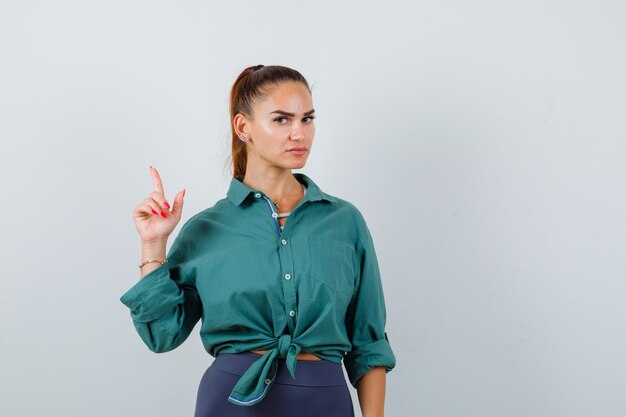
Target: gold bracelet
x=153 y=260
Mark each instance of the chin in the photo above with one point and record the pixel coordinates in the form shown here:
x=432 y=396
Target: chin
x=293 y=163
x=296 y=165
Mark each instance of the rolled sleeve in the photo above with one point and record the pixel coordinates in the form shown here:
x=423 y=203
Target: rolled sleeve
x=366 y=318
x=165 y=305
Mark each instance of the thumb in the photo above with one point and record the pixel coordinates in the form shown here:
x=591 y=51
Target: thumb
x=177 y=207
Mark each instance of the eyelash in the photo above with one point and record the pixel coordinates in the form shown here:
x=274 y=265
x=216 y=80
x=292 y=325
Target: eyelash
x=282 y=117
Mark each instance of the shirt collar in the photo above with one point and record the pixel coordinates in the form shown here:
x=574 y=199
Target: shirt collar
x=238 y=191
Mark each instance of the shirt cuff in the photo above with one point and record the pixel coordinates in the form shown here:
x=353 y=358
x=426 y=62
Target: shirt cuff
x=153 y=296
x=363 y=358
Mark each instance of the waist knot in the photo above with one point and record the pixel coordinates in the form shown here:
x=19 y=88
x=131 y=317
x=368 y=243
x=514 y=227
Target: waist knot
x=284 y=343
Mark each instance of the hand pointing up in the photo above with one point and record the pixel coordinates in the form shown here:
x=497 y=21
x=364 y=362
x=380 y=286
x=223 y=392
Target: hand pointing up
x=153 y=218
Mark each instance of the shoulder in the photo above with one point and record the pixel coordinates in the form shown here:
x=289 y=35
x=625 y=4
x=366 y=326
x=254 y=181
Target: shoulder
x=196 y=225
x=348 y=208
x=353 y=217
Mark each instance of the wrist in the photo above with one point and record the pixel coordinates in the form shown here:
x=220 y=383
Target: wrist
x=154 y=244
x=154 y=249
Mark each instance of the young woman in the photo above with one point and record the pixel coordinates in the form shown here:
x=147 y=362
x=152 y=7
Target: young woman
x=283 y=275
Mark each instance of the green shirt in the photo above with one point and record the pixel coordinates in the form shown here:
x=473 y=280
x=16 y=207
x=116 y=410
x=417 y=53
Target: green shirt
x=313 y=286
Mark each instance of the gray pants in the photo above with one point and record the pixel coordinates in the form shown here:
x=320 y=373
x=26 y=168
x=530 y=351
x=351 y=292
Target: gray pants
x=319 y=390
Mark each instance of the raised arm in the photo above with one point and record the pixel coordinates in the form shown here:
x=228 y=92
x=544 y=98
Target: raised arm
x=164 y=304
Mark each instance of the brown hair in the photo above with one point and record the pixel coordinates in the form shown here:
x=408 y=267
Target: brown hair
x=253 y=84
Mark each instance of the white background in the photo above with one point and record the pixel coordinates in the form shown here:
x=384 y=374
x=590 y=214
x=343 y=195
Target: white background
x=483 y=141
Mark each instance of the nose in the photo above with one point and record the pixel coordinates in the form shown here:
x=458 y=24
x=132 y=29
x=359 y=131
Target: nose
x=297 y=133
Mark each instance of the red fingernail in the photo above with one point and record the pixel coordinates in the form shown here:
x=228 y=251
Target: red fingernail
x=163 y=215
x=167 y=206
x=154 y=211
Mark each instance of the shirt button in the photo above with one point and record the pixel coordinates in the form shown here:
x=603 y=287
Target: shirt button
x=257 y=195
x=292 y=313
x=267 y=381
x=287 y=276
x=274 y=215
x=284 y=242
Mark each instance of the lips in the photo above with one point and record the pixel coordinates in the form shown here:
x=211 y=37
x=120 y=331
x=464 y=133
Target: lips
x=297 y=149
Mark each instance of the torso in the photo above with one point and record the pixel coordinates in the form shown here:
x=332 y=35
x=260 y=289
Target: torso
x=307 y=356
x=287 y=206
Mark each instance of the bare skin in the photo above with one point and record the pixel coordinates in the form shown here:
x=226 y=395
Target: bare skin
x=271 y=137
x=305 y=356
x=371 y=392
x=155 y=220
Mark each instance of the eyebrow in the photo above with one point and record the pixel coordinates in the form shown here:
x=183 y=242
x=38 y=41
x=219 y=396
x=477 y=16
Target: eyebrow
x=285 y=113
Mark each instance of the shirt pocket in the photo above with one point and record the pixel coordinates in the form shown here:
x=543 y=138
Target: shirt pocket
x=332 y=263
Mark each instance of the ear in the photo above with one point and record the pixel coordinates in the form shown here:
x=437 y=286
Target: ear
x=239 y=124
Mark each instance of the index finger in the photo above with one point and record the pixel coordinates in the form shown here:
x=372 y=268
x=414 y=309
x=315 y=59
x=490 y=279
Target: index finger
x=156 y=180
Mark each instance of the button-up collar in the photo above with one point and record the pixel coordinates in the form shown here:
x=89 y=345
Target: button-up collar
x=238 y=191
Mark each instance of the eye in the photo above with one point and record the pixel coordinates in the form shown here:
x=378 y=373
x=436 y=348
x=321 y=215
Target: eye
x=277 y=119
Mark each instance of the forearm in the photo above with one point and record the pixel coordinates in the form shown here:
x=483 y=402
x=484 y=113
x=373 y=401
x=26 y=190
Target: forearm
x=371 y=391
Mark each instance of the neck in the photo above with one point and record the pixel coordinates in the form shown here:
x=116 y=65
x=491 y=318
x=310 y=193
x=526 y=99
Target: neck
x=277 y=185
